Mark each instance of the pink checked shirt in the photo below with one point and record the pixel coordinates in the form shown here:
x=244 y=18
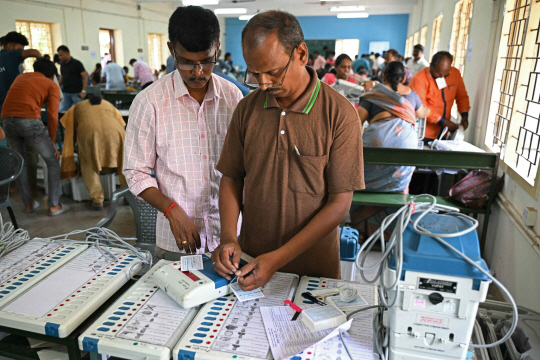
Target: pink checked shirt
x=143 y=72
x=170 y=133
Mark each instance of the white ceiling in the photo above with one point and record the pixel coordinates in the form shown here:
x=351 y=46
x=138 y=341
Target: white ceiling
x=309 y=7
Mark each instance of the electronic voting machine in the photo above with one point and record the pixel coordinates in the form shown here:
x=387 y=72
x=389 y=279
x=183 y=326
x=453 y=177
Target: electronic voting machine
x=194 y=287
x=71 y=281
x=143 y=324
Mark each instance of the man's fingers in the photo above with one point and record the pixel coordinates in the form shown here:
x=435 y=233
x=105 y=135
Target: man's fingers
x=246 y=269
x=248 y=283
x=220 y=268
x=236 y=257
x=226 y=253
x=197 y=238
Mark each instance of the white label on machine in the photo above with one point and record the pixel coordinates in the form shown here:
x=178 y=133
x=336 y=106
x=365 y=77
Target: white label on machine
x=59 y=285
x=245 y=295
x=405 y=287
x=193 y=262
x=155 y=322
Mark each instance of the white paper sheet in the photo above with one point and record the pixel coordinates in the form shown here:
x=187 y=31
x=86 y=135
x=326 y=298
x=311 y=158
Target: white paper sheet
x=155 y=322
x=59 y=285
x=243 y=331
x=242 y=295
x=193 y=262
x=21 y=258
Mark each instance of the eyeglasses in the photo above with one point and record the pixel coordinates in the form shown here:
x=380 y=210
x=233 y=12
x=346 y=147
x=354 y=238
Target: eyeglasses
x=251 y=79
x=190 y=67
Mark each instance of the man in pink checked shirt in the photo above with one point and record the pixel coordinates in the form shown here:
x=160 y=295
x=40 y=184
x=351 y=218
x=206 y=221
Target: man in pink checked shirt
x=177 y=127
x=143 y=73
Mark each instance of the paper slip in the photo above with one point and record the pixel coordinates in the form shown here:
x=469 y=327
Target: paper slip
x=245 y=295
x=359 y=301
x=193 y=262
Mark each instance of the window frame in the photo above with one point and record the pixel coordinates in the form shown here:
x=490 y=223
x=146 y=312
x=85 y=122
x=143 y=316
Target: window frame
x=151 y=50
x=27 y=24
x=436 y=36
x=423 y=35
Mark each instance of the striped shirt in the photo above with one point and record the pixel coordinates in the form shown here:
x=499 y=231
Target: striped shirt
x=170 y=133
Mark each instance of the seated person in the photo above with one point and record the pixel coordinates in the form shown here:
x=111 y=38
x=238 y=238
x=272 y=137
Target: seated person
x=342 y=71
x=391 y=109
x=99 y=130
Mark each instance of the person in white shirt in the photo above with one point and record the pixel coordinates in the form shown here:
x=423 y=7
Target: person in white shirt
x=114 y=76
x=418 y=62
x=319 y=61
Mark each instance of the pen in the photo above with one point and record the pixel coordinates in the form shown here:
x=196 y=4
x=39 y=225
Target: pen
x=295 y=308
x=310 y=297
x=296 y=149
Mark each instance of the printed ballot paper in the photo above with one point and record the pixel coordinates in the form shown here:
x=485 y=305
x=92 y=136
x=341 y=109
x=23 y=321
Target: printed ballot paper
x=193 y=262
x=245 y=295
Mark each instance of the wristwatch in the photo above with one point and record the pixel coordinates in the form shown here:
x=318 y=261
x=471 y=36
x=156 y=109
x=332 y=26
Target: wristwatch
x=84 y=91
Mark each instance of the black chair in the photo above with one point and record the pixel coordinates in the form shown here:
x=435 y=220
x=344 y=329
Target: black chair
x=11 y=164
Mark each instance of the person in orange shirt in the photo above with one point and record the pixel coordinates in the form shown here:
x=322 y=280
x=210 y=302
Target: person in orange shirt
x=438 y=86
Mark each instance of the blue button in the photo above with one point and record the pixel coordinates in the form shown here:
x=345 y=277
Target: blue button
x=203 y=329
x=56 y=257
x=195 y=341
x=216 y=308
x=104 y=329
x=1 y=296
x=61 y=254
x=111 y=273
x=66 y=251
x=34 y=272
x=40 y=268
x=314 y=281
x=120 y=266
x=51 y=261
x=129 y=259
x=114 y=318
x=118 y=313
x=207 y=323
x=213 y=313
x=108 y=323
x=308 y=302
x=70 y=248
x=17 y=283
x=199 y=335
x=131 y=256
x=11 y=288
x=23 y=279
x=219 y=303
x=128 y=303
x=222 y=299
x=124 y=262
x=210 y=318
x=46 y=264
x=29 y=275
x=123 y=308
x=311 y=289
x=4 y=292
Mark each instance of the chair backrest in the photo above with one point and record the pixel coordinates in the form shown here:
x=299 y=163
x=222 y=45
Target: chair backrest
x=145 y=220
x=11 y=163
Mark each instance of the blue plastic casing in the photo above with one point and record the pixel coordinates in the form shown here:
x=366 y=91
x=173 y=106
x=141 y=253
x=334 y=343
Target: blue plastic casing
x=425 y=254
x=348 y=243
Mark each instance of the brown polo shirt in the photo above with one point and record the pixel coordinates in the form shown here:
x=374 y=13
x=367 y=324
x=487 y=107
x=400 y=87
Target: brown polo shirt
x=283 y=191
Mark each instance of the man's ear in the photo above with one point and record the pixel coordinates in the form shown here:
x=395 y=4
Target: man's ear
x=303 y=53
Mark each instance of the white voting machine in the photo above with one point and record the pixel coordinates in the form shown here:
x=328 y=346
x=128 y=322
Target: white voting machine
x=144 y=323
x=228 y=329
x=71 y=282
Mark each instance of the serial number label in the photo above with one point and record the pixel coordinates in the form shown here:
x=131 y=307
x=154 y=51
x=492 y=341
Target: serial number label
x=438 y=285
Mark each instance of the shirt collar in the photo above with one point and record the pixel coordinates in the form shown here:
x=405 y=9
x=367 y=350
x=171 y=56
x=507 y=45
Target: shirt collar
x=180 y=88
x=305 y=102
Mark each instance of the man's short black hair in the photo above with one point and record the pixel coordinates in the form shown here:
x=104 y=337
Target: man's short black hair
x=438 y=57
x=63 y=48
x=419 y=47
x=362 y=71
x=132 y=61
x=194 y=27
x=14 y=37
x=44 y=66
x=285 y=25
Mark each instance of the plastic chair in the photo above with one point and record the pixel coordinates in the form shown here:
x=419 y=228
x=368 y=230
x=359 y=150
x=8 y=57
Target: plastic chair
x=145 y=218
x=11 y=164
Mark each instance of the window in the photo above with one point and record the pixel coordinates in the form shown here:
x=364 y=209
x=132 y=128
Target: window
x=347 y=46
x=415 y=38
x=409 y=47
x=39 y=37
x=154 y=51
x=436 y=35
x=106 y=46
x=423 y=36
x=460 y=33
x=514 y=118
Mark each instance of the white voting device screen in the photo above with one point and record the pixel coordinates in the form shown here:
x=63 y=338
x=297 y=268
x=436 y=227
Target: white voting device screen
x=195 y=287
x=135 y=329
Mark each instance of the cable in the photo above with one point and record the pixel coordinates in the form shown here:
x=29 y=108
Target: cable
x=402 y=217
x=11 y=238
x=348 y=317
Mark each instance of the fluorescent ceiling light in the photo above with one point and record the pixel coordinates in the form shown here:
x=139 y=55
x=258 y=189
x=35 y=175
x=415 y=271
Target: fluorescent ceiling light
x=245 y=17
x=200 y=2
x=353 y=15
x=230 y=11
x=347 y=8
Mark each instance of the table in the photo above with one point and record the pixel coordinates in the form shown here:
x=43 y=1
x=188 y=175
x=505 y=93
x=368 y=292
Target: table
x=428 y=158
x=119 y=98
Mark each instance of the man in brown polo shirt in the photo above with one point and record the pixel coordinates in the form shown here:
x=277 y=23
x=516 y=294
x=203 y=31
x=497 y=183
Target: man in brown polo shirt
x=291 y=160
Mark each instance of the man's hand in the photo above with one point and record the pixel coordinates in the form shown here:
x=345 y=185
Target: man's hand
x=452 y=126
x=184 y=230
x=263 y=267
x=82 y=95
x=465 y=122
x=222 y=255
x=56 y=152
